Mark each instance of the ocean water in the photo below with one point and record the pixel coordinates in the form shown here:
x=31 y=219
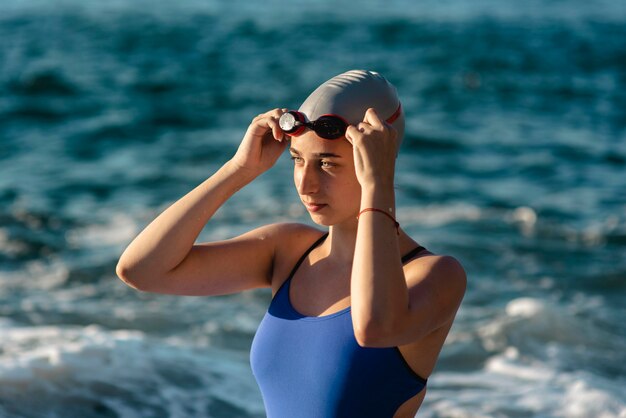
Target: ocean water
x=514 y=162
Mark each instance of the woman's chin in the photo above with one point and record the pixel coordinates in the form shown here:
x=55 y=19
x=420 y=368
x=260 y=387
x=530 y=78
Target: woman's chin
x=327 y=221
x=320 y=219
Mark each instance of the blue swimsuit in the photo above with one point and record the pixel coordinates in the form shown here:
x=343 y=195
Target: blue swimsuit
x=312 y=366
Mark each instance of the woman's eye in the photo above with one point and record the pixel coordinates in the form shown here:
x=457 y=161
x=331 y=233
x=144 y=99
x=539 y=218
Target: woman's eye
x=326 y=164
x=296 y=159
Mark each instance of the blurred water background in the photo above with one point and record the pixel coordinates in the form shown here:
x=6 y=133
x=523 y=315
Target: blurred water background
x=514 y=162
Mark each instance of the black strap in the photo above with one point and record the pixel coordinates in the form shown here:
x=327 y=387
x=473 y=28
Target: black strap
x=412 y=253
x=315 y=244
x=405 y=258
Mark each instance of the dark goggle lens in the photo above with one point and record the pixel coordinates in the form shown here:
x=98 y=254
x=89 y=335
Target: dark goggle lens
x=329 y=127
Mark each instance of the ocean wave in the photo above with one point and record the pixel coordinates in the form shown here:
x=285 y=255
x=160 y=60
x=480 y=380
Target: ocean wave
x=89 y=371
x=513 y=163
x=506 y=388
x=532 y=359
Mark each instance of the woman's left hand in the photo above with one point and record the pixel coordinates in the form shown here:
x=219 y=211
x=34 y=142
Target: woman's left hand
x=375 y=147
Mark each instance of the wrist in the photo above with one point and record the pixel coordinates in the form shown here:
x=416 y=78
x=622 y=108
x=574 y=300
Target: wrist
x=239 y=174
x=381 y=194
x=376 y=180
x=387 y=214
x=244 y=174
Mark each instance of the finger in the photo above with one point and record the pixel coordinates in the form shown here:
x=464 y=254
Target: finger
x=352 y=134
x=274 y=112
x=371 y=117
x=365 y=128
x=272 y=125
x=278 y=133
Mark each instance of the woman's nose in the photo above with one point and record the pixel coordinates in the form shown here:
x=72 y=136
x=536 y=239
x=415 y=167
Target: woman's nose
x=307 y=180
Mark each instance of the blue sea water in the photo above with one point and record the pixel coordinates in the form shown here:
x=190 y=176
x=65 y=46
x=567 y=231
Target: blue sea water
x=514 y=162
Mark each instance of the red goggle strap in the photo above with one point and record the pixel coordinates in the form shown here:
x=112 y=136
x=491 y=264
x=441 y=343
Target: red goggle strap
x=395 y=115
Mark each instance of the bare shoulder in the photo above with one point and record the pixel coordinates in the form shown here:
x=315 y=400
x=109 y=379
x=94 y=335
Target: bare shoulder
x=291 y=240
x=435 y=267
x=294 y=231
x=439 y=281
x=287 y=235
x=279 y=236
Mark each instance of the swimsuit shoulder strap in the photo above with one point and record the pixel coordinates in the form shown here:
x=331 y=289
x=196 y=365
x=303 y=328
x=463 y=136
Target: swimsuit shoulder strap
x=306 y=253
x=412 y=253
x=405 y=258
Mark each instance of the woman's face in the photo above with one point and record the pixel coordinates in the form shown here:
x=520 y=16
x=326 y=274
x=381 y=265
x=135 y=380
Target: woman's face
x=325 y=179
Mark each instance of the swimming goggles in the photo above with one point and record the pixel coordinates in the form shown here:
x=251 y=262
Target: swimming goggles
x=328 y=126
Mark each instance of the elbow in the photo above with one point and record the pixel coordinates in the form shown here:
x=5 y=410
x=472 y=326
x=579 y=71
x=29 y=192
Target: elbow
x=368 y=340
x=374 y=334
x=126 y=275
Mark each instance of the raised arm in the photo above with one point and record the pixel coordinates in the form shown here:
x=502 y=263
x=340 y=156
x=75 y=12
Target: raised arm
x=392 y=305
x=163 y=257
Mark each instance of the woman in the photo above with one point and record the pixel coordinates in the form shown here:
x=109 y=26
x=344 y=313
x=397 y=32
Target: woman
x=360 y=313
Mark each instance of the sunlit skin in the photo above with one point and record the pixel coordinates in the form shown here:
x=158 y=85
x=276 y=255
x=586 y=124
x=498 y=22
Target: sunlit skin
x=410 y=306
x=324 y=174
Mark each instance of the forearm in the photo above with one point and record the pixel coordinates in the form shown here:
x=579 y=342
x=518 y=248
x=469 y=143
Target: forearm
x=167 y=240
x=379 y=294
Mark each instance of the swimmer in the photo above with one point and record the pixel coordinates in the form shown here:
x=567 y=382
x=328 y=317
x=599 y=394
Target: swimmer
x=360 y=310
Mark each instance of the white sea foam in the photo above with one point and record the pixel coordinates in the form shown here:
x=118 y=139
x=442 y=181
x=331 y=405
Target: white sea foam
x=505 y=392
x=525 y=217
x=43 y=368
x=119 y=229
x=529 y=360
x=511 y=387
x=36 y=274
x=438 y=215
x=8 y=246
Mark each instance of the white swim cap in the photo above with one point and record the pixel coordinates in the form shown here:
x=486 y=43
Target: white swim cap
x=350 y=94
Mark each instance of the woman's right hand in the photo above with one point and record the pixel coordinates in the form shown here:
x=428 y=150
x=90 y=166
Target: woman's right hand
x=262 y=144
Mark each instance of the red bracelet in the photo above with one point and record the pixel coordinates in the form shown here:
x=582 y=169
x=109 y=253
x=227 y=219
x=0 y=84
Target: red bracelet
x=384 y=213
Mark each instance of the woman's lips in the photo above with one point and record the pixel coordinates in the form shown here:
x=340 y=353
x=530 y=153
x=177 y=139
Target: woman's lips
x=314 y=207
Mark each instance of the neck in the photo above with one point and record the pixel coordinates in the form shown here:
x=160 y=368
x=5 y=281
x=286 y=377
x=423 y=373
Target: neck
x=341 y=242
